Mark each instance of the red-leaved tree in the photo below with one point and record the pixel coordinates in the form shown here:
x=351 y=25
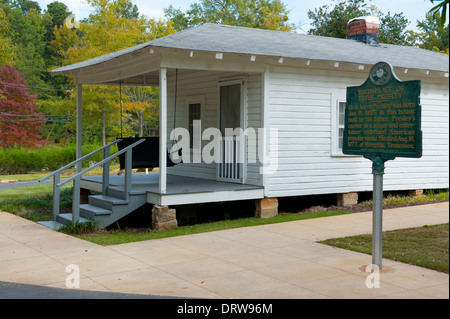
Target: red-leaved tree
x=20 y=123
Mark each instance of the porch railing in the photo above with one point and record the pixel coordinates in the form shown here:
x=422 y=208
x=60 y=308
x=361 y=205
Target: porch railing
x=231 y=159
x=106 y=159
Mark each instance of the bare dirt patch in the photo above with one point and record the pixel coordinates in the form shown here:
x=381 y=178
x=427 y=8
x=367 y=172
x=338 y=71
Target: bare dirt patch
x=4 y=181
x=365 y=208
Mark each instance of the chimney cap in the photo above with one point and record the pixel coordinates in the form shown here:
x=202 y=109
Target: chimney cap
x=368 y=19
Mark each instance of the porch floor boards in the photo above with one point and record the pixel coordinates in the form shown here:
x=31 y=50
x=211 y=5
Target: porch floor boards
x=180 y=189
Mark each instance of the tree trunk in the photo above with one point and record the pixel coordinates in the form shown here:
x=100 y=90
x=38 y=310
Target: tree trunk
x=141 y=123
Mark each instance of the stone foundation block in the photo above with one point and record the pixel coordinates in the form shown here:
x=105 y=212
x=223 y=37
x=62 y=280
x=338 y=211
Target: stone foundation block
x=163 y=218
x=347 y=199
x=416 y=192
x=266 y=207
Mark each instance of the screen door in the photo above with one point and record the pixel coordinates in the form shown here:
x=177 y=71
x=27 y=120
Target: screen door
x=230 y=166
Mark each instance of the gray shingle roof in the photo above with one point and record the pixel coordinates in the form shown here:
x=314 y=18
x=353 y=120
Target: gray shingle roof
x=231 y=39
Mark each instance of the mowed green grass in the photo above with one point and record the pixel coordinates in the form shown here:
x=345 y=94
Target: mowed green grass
x=114 y=237
x=426 y=246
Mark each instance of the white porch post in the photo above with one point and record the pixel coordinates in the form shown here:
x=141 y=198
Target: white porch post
x=265 y=125
x=162 y=130
x=79 y=153
x=79 y=125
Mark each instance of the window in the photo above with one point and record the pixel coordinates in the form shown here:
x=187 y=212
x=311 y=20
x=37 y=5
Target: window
x=338 y=106
x=230 y=107
x=194 y=114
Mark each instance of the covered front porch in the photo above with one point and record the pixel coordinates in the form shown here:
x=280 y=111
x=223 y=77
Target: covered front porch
x=199 y=91
x=180 y=190
x=218 y=100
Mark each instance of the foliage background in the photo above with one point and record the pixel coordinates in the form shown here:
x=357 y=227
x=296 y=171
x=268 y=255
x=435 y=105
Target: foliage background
x=35 y=40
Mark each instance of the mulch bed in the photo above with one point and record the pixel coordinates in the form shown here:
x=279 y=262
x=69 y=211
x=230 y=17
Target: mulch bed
x=359 y=208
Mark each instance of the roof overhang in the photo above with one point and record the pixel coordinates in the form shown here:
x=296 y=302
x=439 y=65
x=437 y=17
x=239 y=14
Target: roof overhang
x=219 y=48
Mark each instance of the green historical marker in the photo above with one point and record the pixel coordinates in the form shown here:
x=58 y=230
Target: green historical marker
x=383 y=116
x=382 y=122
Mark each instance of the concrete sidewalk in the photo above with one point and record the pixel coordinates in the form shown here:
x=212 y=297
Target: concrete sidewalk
x=271 y=261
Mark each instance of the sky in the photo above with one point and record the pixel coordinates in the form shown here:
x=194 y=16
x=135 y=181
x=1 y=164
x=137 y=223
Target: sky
x=413 y=10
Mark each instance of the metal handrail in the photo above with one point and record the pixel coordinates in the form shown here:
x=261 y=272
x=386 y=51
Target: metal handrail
x=78 y=160
x=100 y=163
x=77 y=177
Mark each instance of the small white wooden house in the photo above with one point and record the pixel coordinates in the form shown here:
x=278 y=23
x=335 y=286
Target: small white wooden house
x=290 y=86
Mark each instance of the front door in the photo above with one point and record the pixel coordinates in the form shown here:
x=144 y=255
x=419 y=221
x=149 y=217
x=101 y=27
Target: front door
x=231 y=159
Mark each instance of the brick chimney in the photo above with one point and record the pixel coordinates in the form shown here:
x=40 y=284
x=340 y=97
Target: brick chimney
x=364 y=29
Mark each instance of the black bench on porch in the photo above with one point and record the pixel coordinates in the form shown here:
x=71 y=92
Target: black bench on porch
x=145 y=155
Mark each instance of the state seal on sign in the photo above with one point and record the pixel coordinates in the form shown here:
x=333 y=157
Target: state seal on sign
x=381 y=73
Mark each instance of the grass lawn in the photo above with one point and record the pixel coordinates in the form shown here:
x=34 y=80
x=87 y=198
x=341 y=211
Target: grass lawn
x=426 y=246
x=114 y=237
x=65 y=174
x=23 y=177
x=34 y=202
x=24 y=193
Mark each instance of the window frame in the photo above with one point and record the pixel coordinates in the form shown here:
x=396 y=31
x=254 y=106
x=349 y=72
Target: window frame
x=337 y=97
x=192 y=100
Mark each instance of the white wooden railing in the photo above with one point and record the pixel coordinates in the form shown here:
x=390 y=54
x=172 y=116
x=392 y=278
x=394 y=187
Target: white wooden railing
x=57 y=183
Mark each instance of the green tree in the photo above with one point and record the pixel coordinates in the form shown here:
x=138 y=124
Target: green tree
x=24 y=5
x=27 y=32
x=127 y=10
x=180 y=20
x=262 y=14
x=434 y=36
x=332 y=21
x=108 y=29
x=60 y=126
x=58 y=11
x=7 y=47
x=58 y=39
x=439 y=11
x=393 y=29
x=141 y=109
x=64 y=39
x=56 y=15
x=114 y=25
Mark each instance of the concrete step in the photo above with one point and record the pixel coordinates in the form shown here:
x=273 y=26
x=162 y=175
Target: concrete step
x=91 y=211
x=51 y=224
x=118 y=207
x=116 y=192
x=106 y=202
x=67 y=218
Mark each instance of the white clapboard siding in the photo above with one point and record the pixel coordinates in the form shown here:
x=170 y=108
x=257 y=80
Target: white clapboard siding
x=203 y=85
x=253 y=117
x=192 y=86
x=300 y=102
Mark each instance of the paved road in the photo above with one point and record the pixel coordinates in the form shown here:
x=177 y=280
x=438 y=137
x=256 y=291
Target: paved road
x=10 y=290
x=23 y=184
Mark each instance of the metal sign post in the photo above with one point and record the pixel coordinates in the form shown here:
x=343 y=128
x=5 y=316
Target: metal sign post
x=382 y=122
x=377 y=214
